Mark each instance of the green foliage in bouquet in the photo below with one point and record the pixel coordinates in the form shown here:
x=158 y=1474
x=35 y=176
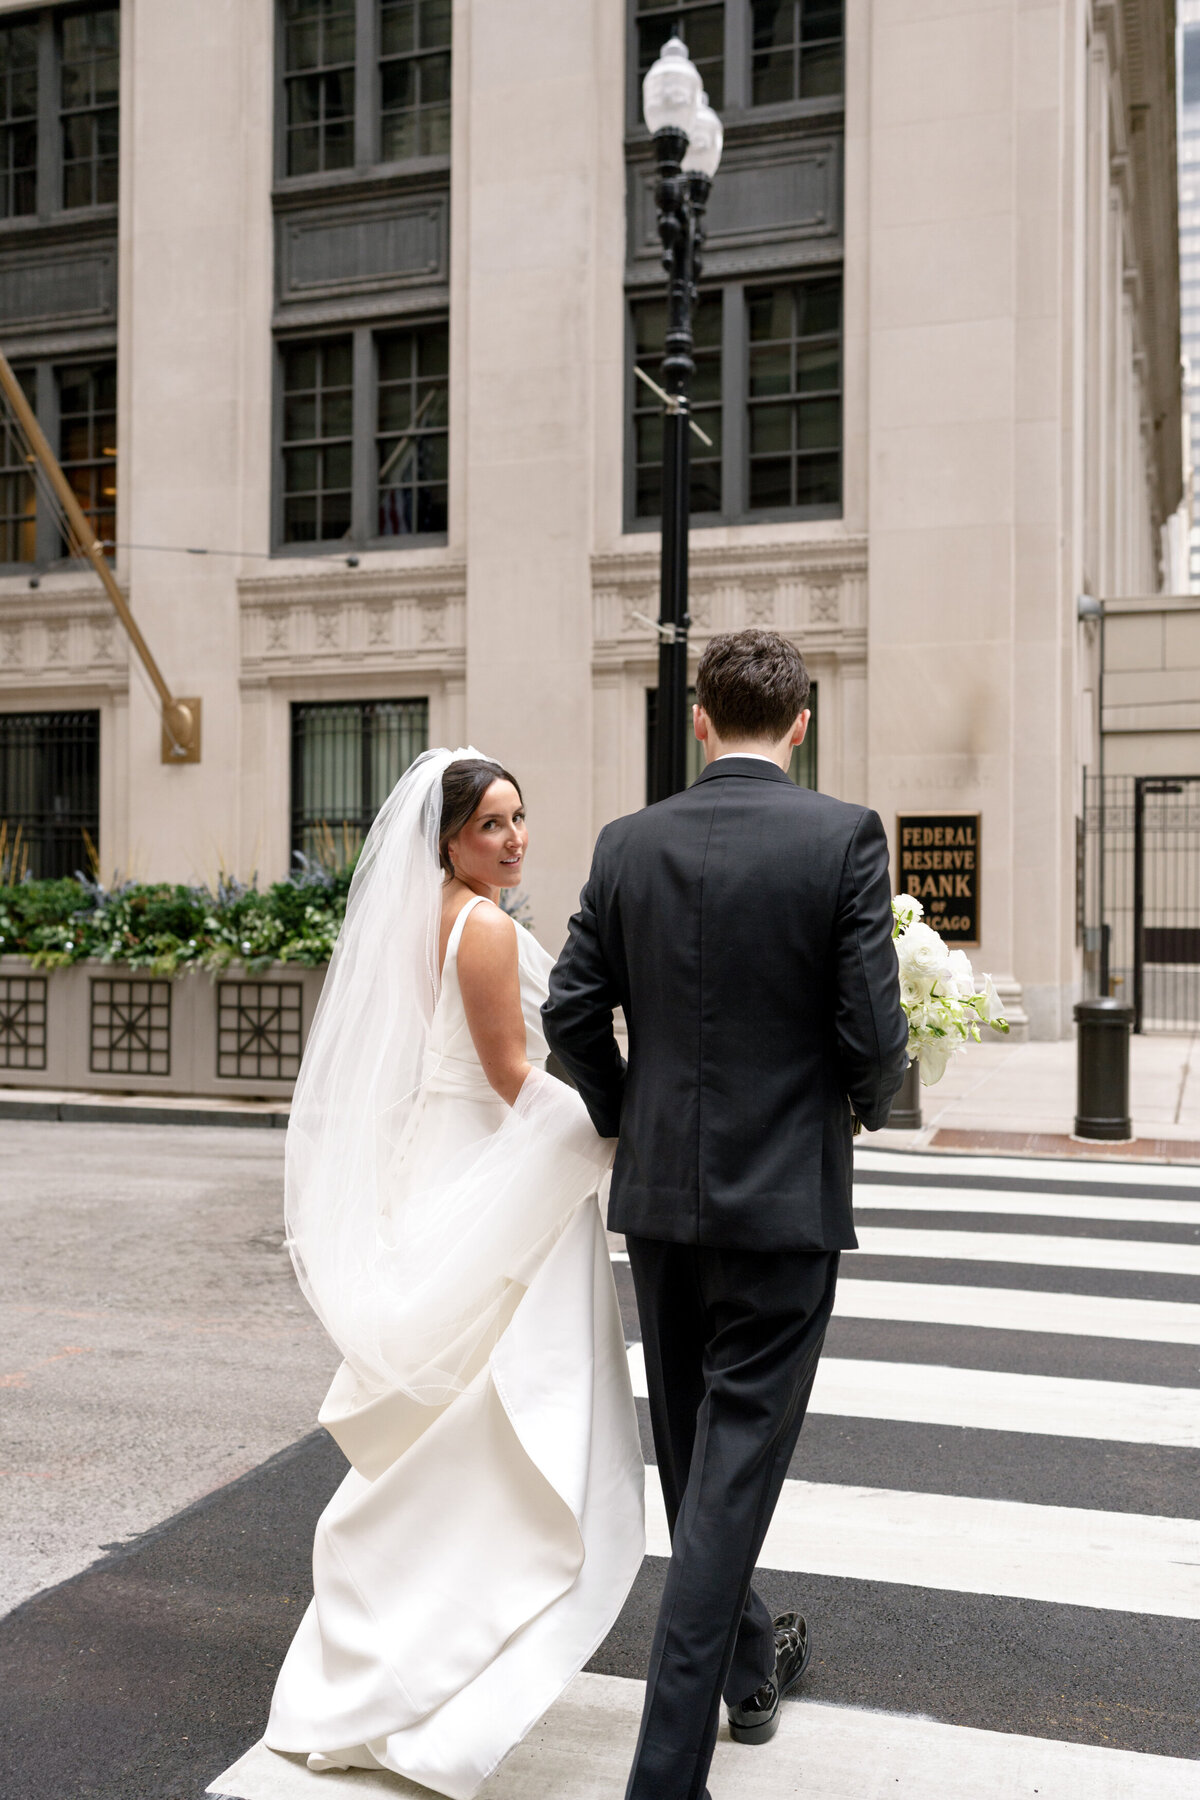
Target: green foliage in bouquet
x=165 y=928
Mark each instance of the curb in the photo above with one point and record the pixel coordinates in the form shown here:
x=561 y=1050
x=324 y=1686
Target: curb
x=91 y=1112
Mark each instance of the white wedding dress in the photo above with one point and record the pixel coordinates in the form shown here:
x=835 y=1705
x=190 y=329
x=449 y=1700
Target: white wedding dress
x=481 y=1546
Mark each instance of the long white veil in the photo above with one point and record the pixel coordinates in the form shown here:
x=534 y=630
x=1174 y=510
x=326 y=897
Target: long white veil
x=414 y=1270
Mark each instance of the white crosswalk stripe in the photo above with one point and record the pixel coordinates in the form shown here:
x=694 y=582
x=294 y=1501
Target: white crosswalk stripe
x=1016 y=1247
x=1021 y=1309
x=1122 y=1411
x=1093 y=1176
x=581 y=1751
x=880 y=1198
x=1061 y=1554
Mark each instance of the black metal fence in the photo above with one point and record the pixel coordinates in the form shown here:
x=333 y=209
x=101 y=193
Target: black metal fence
x=347 y=755
x=49 y=792
x=1140 y=895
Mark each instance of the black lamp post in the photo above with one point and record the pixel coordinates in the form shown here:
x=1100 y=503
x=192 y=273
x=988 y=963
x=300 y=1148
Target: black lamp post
x=687 y=141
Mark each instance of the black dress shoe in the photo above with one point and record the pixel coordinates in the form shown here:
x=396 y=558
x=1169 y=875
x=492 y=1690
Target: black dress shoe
x=757 y=1719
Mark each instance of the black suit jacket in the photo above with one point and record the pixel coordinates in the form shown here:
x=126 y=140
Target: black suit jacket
x=745 y=928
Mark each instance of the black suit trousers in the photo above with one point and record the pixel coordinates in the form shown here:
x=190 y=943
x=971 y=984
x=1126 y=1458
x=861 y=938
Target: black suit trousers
x=732 y=1339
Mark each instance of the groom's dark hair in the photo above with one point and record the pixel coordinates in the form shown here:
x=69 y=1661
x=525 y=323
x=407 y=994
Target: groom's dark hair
x=752 y=684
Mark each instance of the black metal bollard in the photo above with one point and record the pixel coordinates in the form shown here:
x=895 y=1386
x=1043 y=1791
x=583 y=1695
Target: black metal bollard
x=906 y=1107
x=1102 y=1026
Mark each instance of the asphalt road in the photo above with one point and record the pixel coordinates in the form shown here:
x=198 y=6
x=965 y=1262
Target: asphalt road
x=142 y=1675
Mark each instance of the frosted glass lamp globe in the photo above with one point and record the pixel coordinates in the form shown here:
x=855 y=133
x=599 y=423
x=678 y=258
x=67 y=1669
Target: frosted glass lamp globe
x=705 y=141
x=672 y=88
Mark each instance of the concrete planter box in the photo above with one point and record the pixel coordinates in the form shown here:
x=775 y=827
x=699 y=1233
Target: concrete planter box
x=110 y=1029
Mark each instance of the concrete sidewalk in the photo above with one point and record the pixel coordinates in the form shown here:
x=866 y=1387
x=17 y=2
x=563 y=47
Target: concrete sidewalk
x=1008 y=1094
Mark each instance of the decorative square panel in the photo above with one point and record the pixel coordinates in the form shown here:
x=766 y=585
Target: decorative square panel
x=130 y=1027
x=258 y=1030
x=22 y=1022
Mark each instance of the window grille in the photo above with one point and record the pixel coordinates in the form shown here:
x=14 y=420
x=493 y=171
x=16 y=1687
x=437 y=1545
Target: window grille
x=89 y=92
x=795 y=395
x=346 y=758
x=412 y=447
x=700 y=24
x=649 y=344
x=18 y=496
x=22 y=1021
x=318 y=83
x=318 y=411
x=131 y=1027
x=802 y=768
x=18 y=120
x=797 y=50
x=49 y=790
x=414 y=78
x=258 y=1030
x=87 y=442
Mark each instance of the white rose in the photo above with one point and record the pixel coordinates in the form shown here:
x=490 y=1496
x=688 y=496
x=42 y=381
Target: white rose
x=922 y=953
x=905 y=909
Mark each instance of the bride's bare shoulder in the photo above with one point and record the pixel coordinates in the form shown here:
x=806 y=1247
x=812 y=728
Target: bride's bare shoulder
x=488 y=931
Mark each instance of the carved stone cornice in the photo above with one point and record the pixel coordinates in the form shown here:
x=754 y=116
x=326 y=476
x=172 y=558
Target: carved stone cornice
x=814 y=593
x=353 y=621
x=64 y=638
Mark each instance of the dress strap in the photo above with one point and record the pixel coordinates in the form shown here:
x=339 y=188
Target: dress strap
x=456 y=930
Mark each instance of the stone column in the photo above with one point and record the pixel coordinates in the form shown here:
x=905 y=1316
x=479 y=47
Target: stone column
x=969 y=689
x=533 y=83
x=194 y=299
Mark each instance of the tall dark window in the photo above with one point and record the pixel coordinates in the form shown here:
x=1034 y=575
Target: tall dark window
x=59 y=111
x=700 y=24
x=364 y=436
x=18 y=498
x=18 y=120
x=797 y=50
x=50 y=790
x=346 y=758
x=414 y=78
x=412 y=448
x=767 y=390
x=87 y=441
x=318 y=406
x=649 y=331
x=364 y=82
x=750 y=53
x=795 y=397
x=802 y=768
x=89 y=93
x=1191 y=65
x=318 y=60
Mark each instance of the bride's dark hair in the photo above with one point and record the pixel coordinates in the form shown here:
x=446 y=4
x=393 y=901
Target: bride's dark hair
x=463 y=786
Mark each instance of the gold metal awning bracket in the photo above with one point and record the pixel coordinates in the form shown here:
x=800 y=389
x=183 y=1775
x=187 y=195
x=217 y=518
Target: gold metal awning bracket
x=180 y=718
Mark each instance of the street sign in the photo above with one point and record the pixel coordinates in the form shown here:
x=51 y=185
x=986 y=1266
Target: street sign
x=939 y=864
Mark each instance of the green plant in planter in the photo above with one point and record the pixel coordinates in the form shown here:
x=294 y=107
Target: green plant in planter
x=166 y=928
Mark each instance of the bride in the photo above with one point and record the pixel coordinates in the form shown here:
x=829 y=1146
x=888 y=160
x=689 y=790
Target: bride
x=442 y=1220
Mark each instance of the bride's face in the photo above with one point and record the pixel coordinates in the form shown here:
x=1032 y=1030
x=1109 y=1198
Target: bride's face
x=489 y=851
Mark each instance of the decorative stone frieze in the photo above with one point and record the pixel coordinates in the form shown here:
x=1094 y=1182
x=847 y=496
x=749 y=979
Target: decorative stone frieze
x=65 y=637
x=346 y=621
x=815 y=593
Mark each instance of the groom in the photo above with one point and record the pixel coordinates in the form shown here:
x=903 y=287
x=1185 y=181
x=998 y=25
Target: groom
x=744 y=927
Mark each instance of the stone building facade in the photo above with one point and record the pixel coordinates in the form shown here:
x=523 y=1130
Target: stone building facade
x=347 y=296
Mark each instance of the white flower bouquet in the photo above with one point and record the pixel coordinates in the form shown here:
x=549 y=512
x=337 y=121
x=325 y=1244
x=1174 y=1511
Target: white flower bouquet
x=943 y=1001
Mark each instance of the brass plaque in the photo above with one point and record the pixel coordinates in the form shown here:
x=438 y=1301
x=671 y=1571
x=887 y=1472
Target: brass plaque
x=939 y=865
